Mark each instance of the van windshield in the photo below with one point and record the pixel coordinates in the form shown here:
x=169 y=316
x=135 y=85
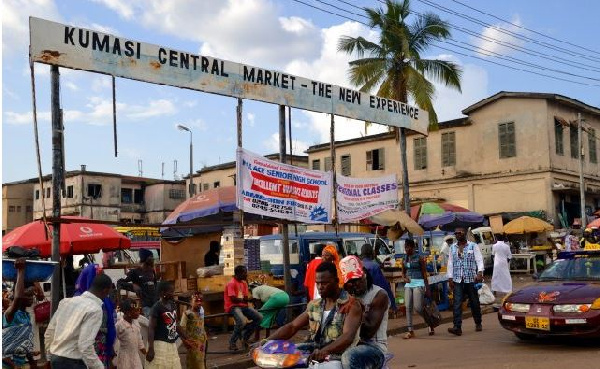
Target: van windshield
x=275 y=247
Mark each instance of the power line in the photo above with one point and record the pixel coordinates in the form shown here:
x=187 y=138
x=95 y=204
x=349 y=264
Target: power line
x=507 y=44
x=525 y=28
x=505 y=31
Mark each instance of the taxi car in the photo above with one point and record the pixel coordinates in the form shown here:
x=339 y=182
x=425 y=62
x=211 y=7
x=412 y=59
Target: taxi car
x=565 y=300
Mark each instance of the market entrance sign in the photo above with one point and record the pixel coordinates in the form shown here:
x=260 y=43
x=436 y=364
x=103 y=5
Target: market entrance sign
x=80 y=48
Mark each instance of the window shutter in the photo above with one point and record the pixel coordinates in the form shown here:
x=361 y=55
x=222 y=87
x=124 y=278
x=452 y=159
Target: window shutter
x=381 y=159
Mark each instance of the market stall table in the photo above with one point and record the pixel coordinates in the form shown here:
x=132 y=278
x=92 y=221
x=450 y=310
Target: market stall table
x=528 y=257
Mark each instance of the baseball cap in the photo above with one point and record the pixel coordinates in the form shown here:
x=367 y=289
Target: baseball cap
x=351 y=267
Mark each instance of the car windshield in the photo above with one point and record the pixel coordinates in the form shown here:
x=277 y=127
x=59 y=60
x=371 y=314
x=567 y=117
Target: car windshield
x=576 y=269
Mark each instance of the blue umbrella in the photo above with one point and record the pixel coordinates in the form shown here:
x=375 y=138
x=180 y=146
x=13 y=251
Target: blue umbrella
x=449 y=220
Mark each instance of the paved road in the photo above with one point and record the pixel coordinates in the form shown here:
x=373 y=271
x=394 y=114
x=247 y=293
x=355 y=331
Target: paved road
x=493 y=348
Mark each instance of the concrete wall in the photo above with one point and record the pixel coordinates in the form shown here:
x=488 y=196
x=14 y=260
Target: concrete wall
x=17 y=205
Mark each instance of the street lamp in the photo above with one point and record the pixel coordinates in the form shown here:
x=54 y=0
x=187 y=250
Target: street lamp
x=191 y=188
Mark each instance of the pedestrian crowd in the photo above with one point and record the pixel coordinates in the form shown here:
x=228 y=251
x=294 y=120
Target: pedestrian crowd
x=348 y=304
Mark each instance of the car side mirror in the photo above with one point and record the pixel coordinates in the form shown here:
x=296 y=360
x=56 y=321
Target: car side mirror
x=535 y=276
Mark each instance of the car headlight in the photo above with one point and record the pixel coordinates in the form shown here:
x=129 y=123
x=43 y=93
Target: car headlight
x=572 y=308
x=596 y=304
x=517 y=308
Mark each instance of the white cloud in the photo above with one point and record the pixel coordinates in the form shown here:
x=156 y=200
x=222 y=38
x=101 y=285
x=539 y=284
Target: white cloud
x=272 y=145
x=71 y=86
x=15 y=22
x=485 y=47
x=100 y=83
x=100 y=112
x=251 y=119
x=249 y=31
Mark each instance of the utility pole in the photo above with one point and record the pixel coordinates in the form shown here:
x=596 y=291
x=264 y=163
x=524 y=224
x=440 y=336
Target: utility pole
x=581 y=179
x=405 y=187
x=57 y=172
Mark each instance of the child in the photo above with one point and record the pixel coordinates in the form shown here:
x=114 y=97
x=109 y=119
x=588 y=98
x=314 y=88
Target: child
x=130 y=339
x=192 y=324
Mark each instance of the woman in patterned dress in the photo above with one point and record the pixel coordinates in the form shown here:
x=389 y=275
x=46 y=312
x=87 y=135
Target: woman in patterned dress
x=192 y=323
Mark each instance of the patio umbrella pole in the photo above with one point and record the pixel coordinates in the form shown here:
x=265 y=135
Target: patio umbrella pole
x=57 y=171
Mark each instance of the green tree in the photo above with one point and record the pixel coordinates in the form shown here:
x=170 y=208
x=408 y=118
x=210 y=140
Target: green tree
x=394 y=65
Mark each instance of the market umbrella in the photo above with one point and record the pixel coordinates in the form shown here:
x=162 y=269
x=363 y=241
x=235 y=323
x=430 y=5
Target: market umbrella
x=206 y=203
x=76 y=238
x=399 y=222
x=449 y=220
x=527 y=224
x=594 y=224
x=419 y=210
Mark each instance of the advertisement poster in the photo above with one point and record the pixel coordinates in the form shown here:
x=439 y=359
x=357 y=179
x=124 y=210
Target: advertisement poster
x=359 y=198
x=282 y=191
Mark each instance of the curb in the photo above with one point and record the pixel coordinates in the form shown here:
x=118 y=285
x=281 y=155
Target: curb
x=244 y=363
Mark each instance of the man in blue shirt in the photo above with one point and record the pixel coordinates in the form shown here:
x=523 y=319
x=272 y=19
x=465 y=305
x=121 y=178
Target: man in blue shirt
x=367 y=256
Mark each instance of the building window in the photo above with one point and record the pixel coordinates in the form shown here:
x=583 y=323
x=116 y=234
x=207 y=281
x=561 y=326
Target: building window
x=69 y=192
x=420 y=150
x=217 y=184
x=138 y=196
x=37 y=194
x=327 y=164
x=206 y=187
x=11 y=209
x=48 y=192
x=506 y=140
x=126 y=195
x=448 y=149
x=558 y=137
x=375 y=159
x=29 y=209
x=18 y=208
x=346 y=165
x=574 y=142
x=316 y=164
x=592 y=145
x=175 y=193
x=94 y=190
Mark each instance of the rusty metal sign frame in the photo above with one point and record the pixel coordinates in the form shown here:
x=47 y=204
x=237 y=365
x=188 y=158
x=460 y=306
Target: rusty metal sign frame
x=84 y=49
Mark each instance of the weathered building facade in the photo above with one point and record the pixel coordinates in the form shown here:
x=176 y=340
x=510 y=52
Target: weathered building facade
x=17 y=204
x=513 y=152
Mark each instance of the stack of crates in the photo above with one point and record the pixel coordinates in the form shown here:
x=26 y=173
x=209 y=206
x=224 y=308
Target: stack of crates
x=232 y=248
x=252 y=253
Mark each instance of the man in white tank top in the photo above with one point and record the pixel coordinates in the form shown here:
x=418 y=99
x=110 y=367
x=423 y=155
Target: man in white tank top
x=371 y=350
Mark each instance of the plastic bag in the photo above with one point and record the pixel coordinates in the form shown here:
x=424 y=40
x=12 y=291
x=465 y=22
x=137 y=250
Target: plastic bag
x=431 y=313
x=486 y=296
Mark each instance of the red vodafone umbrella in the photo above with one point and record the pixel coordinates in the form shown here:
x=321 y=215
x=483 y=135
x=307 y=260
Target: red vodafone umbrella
x=76 y=238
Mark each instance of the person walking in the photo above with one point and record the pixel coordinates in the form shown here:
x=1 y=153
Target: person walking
x=130 y=338
x=416 y=287
x=192 y=323
x=465 y=268
x=236 y=303
x=163 y=331
x=72 y=331
x=501 y=281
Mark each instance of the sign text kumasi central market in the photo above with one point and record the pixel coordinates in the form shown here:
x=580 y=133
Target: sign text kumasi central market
x=80 y=48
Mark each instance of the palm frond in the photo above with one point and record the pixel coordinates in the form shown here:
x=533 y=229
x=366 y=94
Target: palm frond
x=441 y=71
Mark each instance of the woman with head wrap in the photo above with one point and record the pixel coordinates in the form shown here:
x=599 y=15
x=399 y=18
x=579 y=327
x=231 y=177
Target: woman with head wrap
x=107 y=334
x=331 y=255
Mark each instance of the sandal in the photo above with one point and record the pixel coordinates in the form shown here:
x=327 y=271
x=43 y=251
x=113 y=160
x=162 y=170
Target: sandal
x=409 y=335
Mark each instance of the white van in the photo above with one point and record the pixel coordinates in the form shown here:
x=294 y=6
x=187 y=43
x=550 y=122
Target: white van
x=485 y=238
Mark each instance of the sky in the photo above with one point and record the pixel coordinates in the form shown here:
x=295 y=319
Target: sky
x=510 y=45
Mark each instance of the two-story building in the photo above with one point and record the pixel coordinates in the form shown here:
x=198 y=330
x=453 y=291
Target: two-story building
x=17 y=204
x=112 y=197
x=513 y=152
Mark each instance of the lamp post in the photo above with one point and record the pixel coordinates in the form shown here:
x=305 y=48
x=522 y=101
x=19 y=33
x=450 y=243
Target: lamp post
x=191 y=188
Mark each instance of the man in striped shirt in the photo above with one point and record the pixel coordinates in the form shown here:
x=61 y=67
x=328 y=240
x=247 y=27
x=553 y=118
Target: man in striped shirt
x=70 y=335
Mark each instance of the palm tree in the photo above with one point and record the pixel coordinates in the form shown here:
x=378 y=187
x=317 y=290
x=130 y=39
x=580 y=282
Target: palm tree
x=394 y=65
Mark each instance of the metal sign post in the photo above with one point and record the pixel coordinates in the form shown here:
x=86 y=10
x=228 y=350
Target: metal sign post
x=57 y=172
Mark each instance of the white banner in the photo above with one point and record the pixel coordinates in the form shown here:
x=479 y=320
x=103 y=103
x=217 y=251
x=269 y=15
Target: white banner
x=359 y=198
x=80 y=48
x=282 y=191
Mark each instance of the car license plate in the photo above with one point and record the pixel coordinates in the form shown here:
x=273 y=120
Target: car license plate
x=537 y=322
